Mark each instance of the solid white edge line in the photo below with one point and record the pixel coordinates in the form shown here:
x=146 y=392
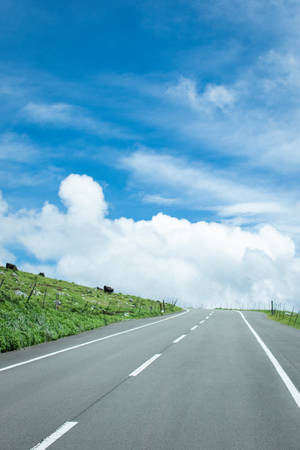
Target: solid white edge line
x=179 y=338
x=54 y=436
x=67 y=349
x=201 y=321
x=281 y=372
x=194 y=328
x=143 y=366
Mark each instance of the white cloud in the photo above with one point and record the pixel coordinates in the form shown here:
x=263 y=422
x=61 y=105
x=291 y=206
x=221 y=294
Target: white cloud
x=65 y=115
x=218 y=95
x=213 y=96
x=253 y=114
x=14 y=147
x=83 y=198
x=159 y=199
x=200 y=263
x=197 y=183
x=253 y=208
x=201 y=187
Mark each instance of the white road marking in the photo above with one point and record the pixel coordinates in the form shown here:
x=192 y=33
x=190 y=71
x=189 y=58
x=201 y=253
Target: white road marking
x=54 y=436
x=143 y=366
x=281 y=372
x=179 y=339
x=201 y=321
x=194 y=328
x=207 y=317
x=67 y=349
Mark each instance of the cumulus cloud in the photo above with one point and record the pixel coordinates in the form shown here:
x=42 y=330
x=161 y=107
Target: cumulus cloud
x=83 y=198
x=199 y=263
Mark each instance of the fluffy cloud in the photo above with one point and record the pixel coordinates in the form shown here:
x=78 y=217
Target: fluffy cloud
x=199 y=263
x=83 y=198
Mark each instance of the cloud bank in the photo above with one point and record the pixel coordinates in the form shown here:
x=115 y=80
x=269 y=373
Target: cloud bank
x=201 y=263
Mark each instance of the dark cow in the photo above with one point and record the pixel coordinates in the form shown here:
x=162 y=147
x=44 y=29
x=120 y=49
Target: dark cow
x=99 y=288
x=108 y=289
x=41 y=274
x=11 y=266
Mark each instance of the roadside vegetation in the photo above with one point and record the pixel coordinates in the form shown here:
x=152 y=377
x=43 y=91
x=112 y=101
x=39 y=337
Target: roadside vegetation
x=290 y=318
x=36 y=309
x=243 y=309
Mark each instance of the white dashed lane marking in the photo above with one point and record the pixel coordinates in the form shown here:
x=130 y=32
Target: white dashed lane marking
x=179 y=339
x=74 y=347
x=54 y=436
x=143 y=366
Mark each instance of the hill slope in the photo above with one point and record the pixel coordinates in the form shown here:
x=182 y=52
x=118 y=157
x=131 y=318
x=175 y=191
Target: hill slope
x=35 y=309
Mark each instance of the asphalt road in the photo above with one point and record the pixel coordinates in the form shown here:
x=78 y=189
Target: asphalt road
x=207 y=383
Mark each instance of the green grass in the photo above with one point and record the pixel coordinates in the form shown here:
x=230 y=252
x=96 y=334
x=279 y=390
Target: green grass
x=30 y=313
x=286 y=317
x=242 y=309
x=289 y=318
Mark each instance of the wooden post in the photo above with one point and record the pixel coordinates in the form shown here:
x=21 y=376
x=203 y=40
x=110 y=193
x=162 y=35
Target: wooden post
x=32 y=291
x=291 y=315
x=44 y=299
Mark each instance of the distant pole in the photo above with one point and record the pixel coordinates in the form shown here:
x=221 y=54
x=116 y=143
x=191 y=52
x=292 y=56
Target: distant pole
x=272 y=309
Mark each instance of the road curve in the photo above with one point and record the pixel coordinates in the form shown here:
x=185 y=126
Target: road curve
x=199 y=380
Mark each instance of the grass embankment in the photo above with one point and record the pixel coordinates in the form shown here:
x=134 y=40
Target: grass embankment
x=286 y=317
x=36 y=309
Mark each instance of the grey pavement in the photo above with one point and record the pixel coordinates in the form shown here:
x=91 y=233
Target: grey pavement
x=215 y=389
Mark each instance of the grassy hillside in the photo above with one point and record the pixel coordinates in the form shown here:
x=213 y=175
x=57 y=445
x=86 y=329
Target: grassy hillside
x=35 y=309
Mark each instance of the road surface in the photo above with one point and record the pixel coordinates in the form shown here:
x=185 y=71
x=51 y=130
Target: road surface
x=198 y=380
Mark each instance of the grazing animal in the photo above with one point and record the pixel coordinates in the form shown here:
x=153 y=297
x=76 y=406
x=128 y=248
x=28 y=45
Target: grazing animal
x=11 y=266
x=108 y=289
x=42 y=274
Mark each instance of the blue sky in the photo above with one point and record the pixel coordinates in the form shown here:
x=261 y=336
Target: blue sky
x=188 y=108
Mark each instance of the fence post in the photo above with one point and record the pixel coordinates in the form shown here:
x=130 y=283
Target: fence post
x=291 y=315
